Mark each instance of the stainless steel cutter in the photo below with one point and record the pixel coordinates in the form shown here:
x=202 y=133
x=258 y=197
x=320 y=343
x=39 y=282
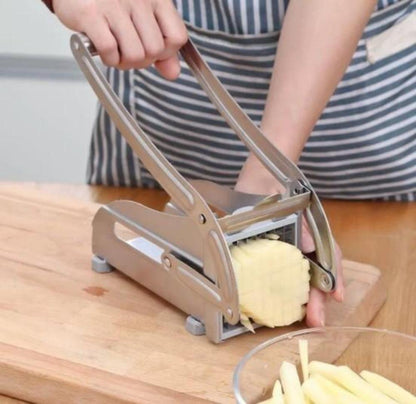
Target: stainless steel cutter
x=182 y=253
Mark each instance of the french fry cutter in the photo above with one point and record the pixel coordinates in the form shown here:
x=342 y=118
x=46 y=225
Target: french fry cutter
x=182 y=253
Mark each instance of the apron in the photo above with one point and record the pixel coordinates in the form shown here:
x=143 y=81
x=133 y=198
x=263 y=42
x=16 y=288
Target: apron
x=362 y=147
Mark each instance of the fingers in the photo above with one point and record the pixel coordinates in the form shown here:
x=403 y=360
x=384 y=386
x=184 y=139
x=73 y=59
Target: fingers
x=315 y=309
x=129 y=33
x=161 y=32
x=149 y=32
x=315 y=312
x=338 y=294
x=307 y=243
x=130 y=46
x=172 y=28
x=104 y=41
x=169 y=68
x=175 y=36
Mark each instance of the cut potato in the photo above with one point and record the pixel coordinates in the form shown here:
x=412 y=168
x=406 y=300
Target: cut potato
x=388 y=388
x=331 y=384
x=316 y=393
x=277 y=394
x=363 y=390
x=291 y=384
x=268 y=401
x=272 y=281
x=322 y=368
x=339 y=394
x=304 y=358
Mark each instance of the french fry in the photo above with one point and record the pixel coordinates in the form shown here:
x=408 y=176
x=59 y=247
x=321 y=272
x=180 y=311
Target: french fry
x=291 y=383
x=317 y=394
x=322 y=368
x=277 y=395
x=304 y=358
x=325 y=383
x=388 y=387
x=339 y=394
x=358 y=386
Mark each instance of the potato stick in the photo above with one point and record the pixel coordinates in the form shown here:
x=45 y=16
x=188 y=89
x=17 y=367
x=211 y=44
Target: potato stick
x=277 y=395
x=354 y=383
x=304 y=358
x=268 y=401
x=388 y=387
x=314 y=392
x=322 y=368
x=291 y=383
x=340 y=395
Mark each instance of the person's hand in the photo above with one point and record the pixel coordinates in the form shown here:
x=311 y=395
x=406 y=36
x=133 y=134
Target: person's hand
x=129 y=33
x=256 y=179
x=315 y=310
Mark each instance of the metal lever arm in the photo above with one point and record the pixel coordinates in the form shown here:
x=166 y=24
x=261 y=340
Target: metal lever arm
x=288 y=174
x=324 y=271
x=282 y=168
x=181 y=192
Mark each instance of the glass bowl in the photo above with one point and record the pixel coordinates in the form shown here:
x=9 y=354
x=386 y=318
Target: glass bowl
x=388 y=353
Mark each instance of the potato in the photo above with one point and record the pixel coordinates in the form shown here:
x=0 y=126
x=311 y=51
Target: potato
x=316 y=393
x=304 y=358
x=330 y=384
x=388 y=388
x=339 y=394
x=272 y=281
x=352 y=382
x=291 y=384
x=277 y=395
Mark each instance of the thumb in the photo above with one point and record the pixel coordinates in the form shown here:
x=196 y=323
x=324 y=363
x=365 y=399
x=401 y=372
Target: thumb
x=307 y=243
x=169 y=68
x=315 y=309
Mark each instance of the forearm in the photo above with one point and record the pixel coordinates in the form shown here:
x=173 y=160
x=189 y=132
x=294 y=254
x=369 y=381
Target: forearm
x=317 y=42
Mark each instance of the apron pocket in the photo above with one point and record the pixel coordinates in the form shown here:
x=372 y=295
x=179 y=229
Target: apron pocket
x=395 y=39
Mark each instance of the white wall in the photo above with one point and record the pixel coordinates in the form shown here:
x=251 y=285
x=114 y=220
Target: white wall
x=27 y=27
x=45 y=123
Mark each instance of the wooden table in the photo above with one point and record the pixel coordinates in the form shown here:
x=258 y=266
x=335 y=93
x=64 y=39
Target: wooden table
x=382 y=234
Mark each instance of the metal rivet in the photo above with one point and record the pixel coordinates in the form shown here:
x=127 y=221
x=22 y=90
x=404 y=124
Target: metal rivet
x=325 y=281
x=202 y=219
x=167 y=262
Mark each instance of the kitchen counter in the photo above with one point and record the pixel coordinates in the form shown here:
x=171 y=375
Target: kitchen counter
x=382 y=234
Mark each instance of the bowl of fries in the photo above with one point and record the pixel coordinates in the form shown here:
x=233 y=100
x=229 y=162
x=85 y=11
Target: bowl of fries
x=329 y=365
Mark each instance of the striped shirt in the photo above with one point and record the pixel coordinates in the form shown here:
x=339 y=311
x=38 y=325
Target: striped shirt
x=362 y=147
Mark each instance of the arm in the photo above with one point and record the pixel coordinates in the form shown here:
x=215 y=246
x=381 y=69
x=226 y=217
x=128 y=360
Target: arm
x=316 y=45
x=317 y=42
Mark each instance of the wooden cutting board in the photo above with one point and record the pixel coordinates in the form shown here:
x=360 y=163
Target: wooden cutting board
x=68 y=334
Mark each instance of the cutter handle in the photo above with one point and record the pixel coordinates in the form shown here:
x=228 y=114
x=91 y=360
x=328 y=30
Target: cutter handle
x=279 y=166
x=181 y=192
x=285 y=171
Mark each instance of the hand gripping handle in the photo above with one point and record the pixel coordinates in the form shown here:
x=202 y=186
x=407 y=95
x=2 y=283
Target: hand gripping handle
x=287 y=173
